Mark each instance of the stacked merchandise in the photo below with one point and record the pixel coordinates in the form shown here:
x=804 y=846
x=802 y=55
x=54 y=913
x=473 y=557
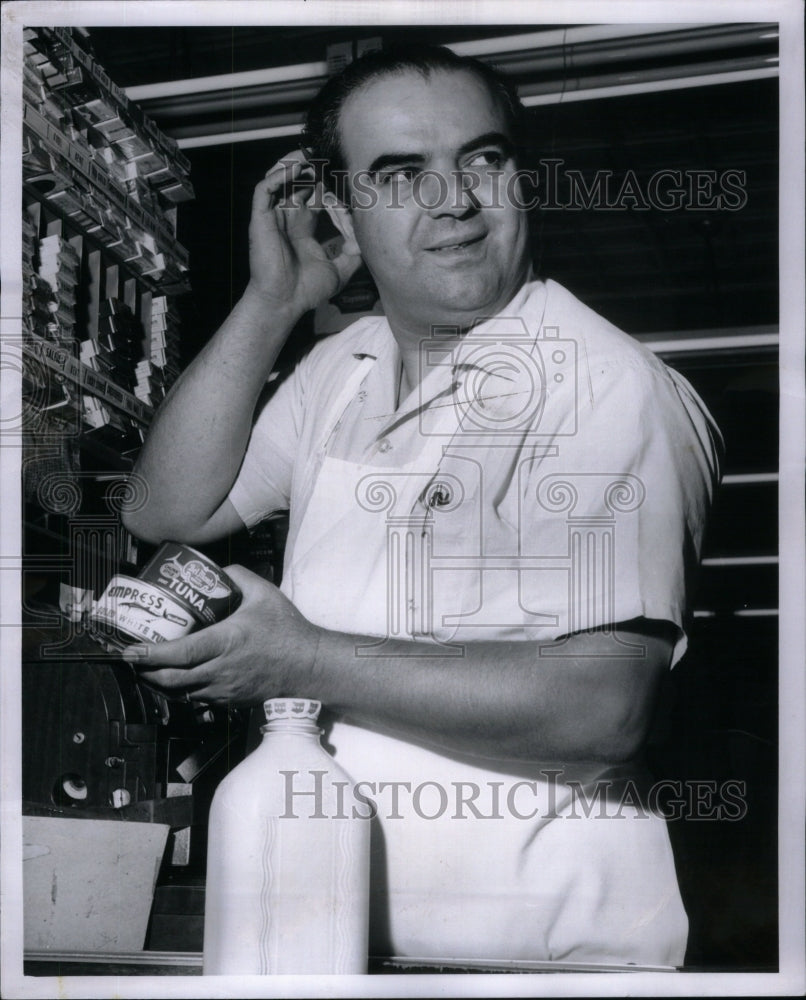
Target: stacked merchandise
x=157 y=372
x=150 y=385
x=28 y=267
x=59 y=268
x=114 y=353
x=164 y=346
x=120 y=337
x=50 y=407
x=41 y=303
x=38 y=300
x=112 y=170
x=101 y=185
x=96 y=162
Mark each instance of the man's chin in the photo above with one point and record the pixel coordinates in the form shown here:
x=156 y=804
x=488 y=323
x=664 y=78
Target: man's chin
x=463 y=307
x=457 y=300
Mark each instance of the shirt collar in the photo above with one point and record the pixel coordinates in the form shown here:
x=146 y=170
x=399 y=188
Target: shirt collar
x=483 y=350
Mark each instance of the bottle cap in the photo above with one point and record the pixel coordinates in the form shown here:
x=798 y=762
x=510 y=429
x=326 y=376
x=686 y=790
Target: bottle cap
x=291 y=708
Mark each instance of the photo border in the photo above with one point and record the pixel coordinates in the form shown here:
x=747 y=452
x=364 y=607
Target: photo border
x=792 y=456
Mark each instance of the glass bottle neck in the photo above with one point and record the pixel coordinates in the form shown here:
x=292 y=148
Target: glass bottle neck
x=288 y=727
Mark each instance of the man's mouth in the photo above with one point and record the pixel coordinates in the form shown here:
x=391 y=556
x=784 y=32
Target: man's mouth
x=460 y=245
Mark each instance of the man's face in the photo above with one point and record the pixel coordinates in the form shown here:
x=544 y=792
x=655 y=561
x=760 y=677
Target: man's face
x=432 y=176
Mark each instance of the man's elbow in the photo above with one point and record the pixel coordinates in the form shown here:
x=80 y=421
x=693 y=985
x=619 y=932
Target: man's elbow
x=157 y=529
x=619 y=742
x=148 y=520
x=141 y=527
x=155 y=523
x=597 y=738
x=620 y=697
x=620 y=726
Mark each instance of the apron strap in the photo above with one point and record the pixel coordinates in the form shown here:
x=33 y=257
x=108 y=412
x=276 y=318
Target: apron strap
x=341 y=402
x=334 y=414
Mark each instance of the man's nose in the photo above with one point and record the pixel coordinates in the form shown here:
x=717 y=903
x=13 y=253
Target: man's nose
x=448 y=192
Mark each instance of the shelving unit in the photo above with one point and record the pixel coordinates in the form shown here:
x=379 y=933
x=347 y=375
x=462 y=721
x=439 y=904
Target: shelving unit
x=101 y=269
x=100 y=341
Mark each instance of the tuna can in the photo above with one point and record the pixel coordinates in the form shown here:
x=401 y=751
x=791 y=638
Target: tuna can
x=194 y=581
x=178 y=591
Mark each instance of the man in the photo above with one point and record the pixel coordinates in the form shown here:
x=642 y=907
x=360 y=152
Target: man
x=497 y=501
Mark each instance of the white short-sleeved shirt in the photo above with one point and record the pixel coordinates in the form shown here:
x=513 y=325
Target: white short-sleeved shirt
x=590 y=427
x=560 y=476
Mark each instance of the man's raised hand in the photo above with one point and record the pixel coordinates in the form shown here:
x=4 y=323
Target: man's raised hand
x=289 y=269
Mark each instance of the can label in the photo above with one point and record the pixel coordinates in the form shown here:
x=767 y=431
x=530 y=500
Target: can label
x=195 y=582
x=140 y=612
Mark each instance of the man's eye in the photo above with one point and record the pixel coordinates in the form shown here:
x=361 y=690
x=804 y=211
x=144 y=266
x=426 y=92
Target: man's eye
x=488 y=158
x=397 y=174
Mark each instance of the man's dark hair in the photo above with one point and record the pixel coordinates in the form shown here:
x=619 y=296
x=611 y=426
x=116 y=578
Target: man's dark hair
x=322 y=136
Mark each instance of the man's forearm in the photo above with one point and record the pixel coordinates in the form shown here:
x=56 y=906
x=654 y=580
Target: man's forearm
x=197 y=440
x=505 y=700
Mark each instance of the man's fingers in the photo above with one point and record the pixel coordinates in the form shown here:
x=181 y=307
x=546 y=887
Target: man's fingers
x=172 y=679
x=246 y=580
x=211 y=695
x=289 y=170
x=195 y=684
x=291 y=166
x=295 y=157
x=199 y=647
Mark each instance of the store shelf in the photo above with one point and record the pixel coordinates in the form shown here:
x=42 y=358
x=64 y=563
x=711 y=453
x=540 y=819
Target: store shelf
x=59 y=360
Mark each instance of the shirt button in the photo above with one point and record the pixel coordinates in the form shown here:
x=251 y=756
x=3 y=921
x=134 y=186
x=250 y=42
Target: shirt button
x=385 y=445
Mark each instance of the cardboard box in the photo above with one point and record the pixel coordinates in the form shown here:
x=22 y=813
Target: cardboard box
x=88 y=884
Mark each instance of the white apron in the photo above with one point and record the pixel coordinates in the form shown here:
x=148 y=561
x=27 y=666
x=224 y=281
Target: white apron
x=507 y=874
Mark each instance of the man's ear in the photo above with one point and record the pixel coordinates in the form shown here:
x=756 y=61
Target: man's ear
x=340 y=217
